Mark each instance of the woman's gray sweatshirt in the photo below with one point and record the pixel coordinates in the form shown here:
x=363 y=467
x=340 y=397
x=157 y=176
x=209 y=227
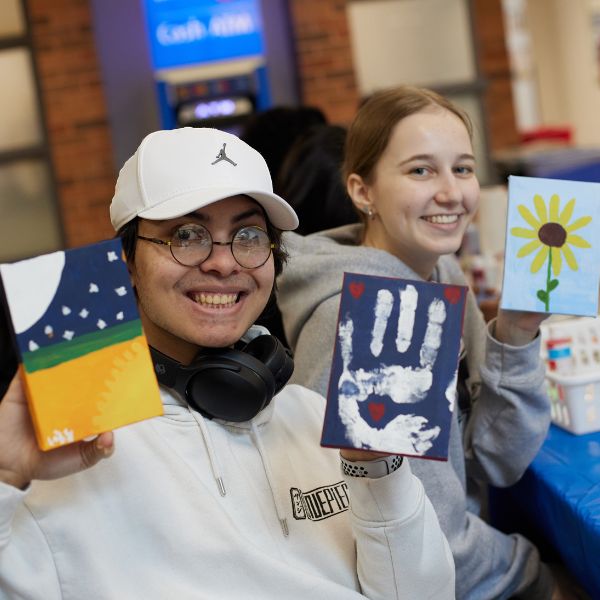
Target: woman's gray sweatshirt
x=492 y=441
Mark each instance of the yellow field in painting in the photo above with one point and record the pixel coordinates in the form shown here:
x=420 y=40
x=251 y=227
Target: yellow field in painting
x=96 y=392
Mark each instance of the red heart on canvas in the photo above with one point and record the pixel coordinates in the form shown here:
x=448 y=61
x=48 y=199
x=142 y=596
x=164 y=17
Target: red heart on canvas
x=452 y=294
x=356 y=288
x=376 y=409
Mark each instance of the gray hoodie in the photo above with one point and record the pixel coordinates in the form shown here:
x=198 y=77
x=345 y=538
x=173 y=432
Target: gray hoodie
x=493 y=438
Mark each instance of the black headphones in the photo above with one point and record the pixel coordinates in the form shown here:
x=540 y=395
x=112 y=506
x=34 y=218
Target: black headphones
x=233 y=384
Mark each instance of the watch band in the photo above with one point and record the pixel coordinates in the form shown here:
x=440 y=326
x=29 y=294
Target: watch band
x=373 y=469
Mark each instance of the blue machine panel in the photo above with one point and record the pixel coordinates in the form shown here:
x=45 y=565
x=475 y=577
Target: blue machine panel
x=185 y=32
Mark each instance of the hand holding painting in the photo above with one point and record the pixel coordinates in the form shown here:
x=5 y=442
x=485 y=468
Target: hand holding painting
x=21 y=460
x=518 y=328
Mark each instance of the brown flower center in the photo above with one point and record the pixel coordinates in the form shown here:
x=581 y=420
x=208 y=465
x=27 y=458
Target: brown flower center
x=552 y=234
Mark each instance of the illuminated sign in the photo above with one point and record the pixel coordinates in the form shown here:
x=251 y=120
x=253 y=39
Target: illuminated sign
x=222 y=108
x=183 y=32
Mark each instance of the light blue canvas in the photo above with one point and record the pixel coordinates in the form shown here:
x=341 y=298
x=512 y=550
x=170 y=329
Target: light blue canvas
x=552 y=256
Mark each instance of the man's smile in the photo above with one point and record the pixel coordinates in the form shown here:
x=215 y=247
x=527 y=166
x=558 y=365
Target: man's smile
x=215 y=299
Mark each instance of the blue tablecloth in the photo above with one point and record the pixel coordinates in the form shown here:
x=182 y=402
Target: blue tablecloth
x=557 y=501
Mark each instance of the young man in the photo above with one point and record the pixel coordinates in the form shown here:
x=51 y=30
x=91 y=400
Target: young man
x=228 y=494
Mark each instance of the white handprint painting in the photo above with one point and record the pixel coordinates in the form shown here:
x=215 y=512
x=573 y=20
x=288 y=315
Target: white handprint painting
x=393 y=379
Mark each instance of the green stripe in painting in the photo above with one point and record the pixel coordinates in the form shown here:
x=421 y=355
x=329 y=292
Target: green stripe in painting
x=44 y=358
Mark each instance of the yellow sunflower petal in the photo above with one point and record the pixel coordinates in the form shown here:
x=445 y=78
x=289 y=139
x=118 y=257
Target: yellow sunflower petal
x=526 y=214
x=554 y=206
x=567 y=213
x=523 y=233
x=540 y=259
x=578 y=241
x=556 y=261
x=578 y=224
x=540 y=208
x=527 y=249
x=570 y=257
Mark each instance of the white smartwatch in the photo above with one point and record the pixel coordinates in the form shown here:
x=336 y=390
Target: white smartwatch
x=379 y=467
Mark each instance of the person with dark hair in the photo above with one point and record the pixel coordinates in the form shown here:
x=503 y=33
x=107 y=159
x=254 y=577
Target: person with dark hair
x=272 y=132
x=228 y=494
x=311 y=180
x=8 y=356
x=409 y=168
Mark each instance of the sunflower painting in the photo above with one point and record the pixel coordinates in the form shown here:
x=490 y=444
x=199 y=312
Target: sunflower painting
x=549 y=244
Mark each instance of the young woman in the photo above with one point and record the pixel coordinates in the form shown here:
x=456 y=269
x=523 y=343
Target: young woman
x=410 y=170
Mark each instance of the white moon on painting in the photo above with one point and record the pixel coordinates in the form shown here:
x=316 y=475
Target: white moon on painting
x=30 y=286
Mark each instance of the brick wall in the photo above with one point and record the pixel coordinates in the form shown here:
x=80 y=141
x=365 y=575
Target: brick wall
x=75 y=116
x=324 y=57
x=76 y=113
x=326 y=70
x=495 y=69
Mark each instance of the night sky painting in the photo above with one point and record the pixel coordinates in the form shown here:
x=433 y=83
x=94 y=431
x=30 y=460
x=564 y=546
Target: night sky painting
x=393 y=378
x=84 y=356
x=92 y=292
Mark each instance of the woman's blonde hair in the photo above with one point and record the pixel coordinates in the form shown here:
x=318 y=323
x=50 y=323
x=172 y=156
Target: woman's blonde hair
x=370 y=131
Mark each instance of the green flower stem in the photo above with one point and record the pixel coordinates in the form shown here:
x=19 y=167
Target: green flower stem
x=548 y=278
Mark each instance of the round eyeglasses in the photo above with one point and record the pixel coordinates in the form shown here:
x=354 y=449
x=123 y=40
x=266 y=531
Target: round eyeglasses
x=191 y=245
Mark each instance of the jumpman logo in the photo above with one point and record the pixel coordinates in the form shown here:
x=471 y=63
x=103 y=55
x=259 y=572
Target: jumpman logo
x=222 y=156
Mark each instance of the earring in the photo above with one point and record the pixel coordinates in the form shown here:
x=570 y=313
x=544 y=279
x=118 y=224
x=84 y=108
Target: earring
x=369 y=212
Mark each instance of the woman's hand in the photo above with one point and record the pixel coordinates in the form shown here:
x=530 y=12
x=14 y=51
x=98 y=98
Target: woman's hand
x=518 y=328
x=21 y=460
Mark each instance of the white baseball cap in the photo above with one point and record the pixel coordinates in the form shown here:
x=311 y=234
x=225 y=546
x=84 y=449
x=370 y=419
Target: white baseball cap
x=175 y=172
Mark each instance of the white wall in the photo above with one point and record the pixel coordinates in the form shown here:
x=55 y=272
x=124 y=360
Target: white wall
x=418 y=42
x=407 y=41
x=566 y=65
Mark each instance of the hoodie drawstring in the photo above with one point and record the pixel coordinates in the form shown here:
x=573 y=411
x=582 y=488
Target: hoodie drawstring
x=216 y=468
x=212 y=457
x=276 y=500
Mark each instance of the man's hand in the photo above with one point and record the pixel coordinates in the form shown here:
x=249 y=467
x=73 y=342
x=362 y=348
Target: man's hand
x=21 y=461
x=359 y=455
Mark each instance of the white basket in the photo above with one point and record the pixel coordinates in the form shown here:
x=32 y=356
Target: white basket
x=575 y=396
x=575 y=401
